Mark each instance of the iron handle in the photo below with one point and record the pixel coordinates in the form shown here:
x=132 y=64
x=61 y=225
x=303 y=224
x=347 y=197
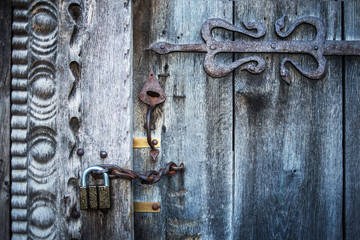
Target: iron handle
x=152 y=94
x=154 y=151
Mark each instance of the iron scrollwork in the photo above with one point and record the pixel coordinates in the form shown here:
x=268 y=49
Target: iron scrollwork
x=318 y=48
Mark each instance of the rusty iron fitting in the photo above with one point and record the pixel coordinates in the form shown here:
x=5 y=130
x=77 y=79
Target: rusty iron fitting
x=149 y=177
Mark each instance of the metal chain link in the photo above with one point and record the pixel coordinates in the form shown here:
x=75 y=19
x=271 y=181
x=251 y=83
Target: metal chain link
x=149 y=177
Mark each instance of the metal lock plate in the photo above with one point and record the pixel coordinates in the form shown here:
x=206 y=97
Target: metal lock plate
x=93 y=197
x=104 y=197
x=84 y=205
x=142 y=142
x=147 y=207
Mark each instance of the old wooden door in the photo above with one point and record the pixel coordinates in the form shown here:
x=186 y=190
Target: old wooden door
x=263 y=159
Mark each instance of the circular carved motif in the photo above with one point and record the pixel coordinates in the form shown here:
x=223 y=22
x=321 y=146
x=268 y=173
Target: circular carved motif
x=42 y=217
x=42 y=151
x=43 y=87
x=44 y=23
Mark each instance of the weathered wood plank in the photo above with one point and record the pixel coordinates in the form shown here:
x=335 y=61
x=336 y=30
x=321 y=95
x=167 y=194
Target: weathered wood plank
x=194 y=123
x=352 y=127
x=5 y=43
x=106 y=108
x=95 y=112
x=288 y=138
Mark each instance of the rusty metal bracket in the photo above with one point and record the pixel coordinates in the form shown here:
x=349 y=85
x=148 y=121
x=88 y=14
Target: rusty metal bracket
x=152 y=94
x=317 y=48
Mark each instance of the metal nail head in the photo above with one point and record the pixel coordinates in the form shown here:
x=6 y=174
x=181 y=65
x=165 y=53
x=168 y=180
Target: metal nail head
x=80 y=152
x=155 y=207
x=103 y=154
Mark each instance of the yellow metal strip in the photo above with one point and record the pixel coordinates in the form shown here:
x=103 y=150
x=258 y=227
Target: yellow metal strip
x=142 y=143
x=147 y=207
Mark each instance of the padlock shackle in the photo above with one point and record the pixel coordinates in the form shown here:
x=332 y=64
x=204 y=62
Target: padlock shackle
x=94 y=168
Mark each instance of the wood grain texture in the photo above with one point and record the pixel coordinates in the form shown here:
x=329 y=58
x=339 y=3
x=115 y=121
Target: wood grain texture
x=352 y=129
x=98 y=63
x=5 y=64
x=195 y=125
x=288 y=138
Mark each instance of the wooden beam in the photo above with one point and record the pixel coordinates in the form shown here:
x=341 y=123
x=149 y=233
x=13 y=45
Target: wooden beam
x=352 y=123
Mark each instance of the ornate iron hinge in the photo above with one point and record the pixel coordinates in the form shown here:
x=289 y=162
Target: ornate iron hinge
x=318 y=47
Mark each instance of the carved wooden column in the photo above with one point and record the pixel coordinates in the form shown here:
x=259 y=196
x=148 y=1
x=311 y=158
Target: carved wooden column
x=56 y=61
x=19 y=120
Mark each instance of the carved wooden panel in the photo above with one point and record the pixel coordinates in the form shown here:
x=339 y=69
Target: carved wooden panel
x=54 y=84
x=34 y=108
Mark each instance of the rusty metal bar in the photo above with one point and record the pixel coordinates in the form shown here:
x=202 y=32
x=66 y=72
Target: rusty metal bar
x=349 y=48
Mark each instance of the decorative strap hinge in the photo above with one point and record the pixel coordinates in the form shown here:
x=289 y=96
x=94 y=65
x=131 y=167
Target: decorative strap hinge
x=317 y=48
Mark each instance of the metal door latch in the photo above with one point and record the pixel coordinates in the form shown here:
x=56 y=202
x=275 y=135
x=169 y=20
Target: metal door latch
x=149 y=177
x=98 y=197
x=317 y=48
x=152 y=94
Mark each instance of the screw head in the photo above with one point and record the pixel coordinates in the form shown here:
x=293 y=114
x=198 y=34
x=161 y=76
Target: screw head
x=80 y=152
x=154 y=141
x=212 y=47
x=273 y=45
x=316 y=47
x=155 y=207
x=75 y=214
x=162 y=96
x=103 y=154
x=252 y=68
x=162 y=46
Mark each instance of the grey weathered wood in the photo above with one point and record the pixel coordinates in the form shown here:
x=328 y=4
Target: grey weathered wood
x=288 y=138
x=352 y=128
x=5 y=44
x=194 y=123
x=71 y=82
x=96 y=111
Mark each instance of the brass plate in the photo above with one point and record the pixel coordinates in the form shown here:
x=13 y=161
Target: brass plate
x=146 y=207
x=142 y=143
